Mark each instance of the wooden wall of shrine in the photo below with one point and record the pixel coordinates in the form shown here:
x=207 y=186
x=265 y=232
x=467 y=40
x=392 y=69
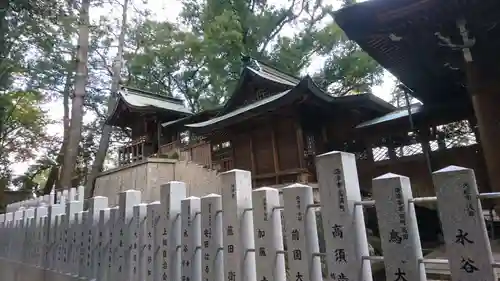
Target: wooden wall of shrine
x=272 y=147
x=407 y=156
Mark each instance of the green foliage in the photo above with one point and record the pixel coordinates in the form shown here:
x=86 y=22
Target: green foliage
x=197 y=58
x=200 y=60
x=23 y=131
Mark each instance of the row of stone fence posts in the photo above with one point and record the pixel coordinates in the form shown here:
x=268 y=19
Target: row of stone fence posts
x=238 y=235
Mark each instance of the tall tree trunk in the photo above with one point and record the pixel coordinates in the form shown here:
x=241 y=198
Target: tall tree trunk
x=75 y=131
x=53 y=177
x=106 y=131
x=4 y=7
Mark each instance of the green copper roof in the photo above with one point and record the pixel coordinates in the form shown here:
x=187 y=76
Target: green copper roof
x=239 y=111
x=397 y=114
x=274 y=75
x=139 y=99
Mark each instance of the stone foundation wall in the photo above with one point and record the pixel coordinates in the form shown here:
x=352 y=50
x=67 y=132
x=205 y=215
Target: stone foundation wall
x=148 y=175
x=16 y=271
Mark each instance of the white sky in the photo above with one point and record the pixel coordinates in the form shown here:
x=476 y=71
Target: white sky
x=169 y=10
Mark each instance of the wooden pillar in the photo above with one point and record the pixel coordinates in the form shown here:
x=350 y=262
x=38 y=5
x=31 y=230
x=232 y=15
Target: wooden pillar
x=300 y=144
x=134 y=153
x=142 y=151
x=252 y=155
x=473 y=126
x=424 y=138
x=390 y=150
x=324 y=134
x=369 y=152
x=158 y=137
x=485 y=94
x=275 y=154
x=119 y=156
x=127 y=154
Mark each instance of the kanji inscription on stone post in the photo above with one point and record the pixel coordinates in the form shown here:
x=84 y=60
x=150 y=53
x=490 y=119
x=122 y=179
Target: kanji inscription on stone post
x=171 y=194
x=40 y=213
x=29 y=215
x=160 y=237
x=398 y=228
x=61 y=246
x=113 y=233
x=268 y=235
x=96 y=204
x=103 y=245
x=211 y=238
x=139 y=242
x=75 y=238
x=191 y=239
x=54 y=210
x=152 y=209
x=83 y=244
x=464 y=230
x=239 y=243
x=343 y=226
x=127 y=200
x=72 y=207
x=301 y=233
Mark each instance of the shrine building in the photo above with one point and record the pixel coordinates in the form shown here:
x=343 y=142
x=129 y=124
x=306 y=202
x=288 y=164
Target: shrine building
x=274 y=124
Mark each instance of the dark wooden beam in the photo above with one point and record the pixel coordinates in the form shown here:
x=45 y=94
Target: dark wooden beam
x=300 y=143
x=252 y=155
x=275 y=153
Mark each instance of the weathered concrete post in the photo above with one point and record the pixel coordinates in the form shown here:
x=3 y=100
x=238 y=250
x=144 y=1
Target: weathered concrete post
x=103 y=245
x=72 y=207
x=139 y=243
x=127 y=200
x=171 y=194
x=96 y=204
x=343 y=220
x=211 y=227
x=269 y=234
x=398 y=227
x=301 y=233
x=152 y=209
x=239 y=242
x=467 y=244
x=191 y=239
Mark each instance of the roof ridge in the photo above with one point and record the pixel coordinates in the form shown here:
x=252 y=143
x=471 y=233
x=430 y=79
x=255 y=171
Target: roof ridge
x=275 y=71
x=152 y=95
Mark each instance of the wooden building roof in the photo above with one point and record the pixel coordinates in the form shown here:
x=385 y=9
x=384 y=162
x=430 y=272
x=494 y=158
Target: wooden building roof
x=138 y=101
x=197 y=117
x=412 y=40
x=305 y=88
x=397 y=122
x=264 y=75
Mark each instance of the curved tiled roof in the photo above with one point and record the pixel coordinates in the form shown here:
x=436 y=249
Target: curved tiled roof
x=139 y=99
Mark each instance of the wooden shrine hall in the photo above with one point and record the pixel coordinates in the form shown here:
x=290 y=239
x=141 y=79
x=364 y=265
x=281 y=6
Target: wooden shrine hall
x=140 y=115
x=446 y=54
x=274 y=124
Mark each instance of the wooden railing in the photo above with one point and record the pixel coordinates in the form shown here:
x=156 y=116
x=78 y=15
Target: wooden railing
x=170 y=148
x=199 y=153
x=223 y=165
x=134 y=151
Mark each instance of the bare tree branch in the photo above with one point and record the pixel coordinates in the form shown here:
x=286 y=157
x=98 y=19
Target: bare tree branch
x=105 y=61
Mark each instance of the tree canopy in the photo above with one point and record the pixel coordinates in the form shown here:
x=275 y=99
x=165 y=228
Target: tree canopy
x=196 y=57
x=199 y=59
